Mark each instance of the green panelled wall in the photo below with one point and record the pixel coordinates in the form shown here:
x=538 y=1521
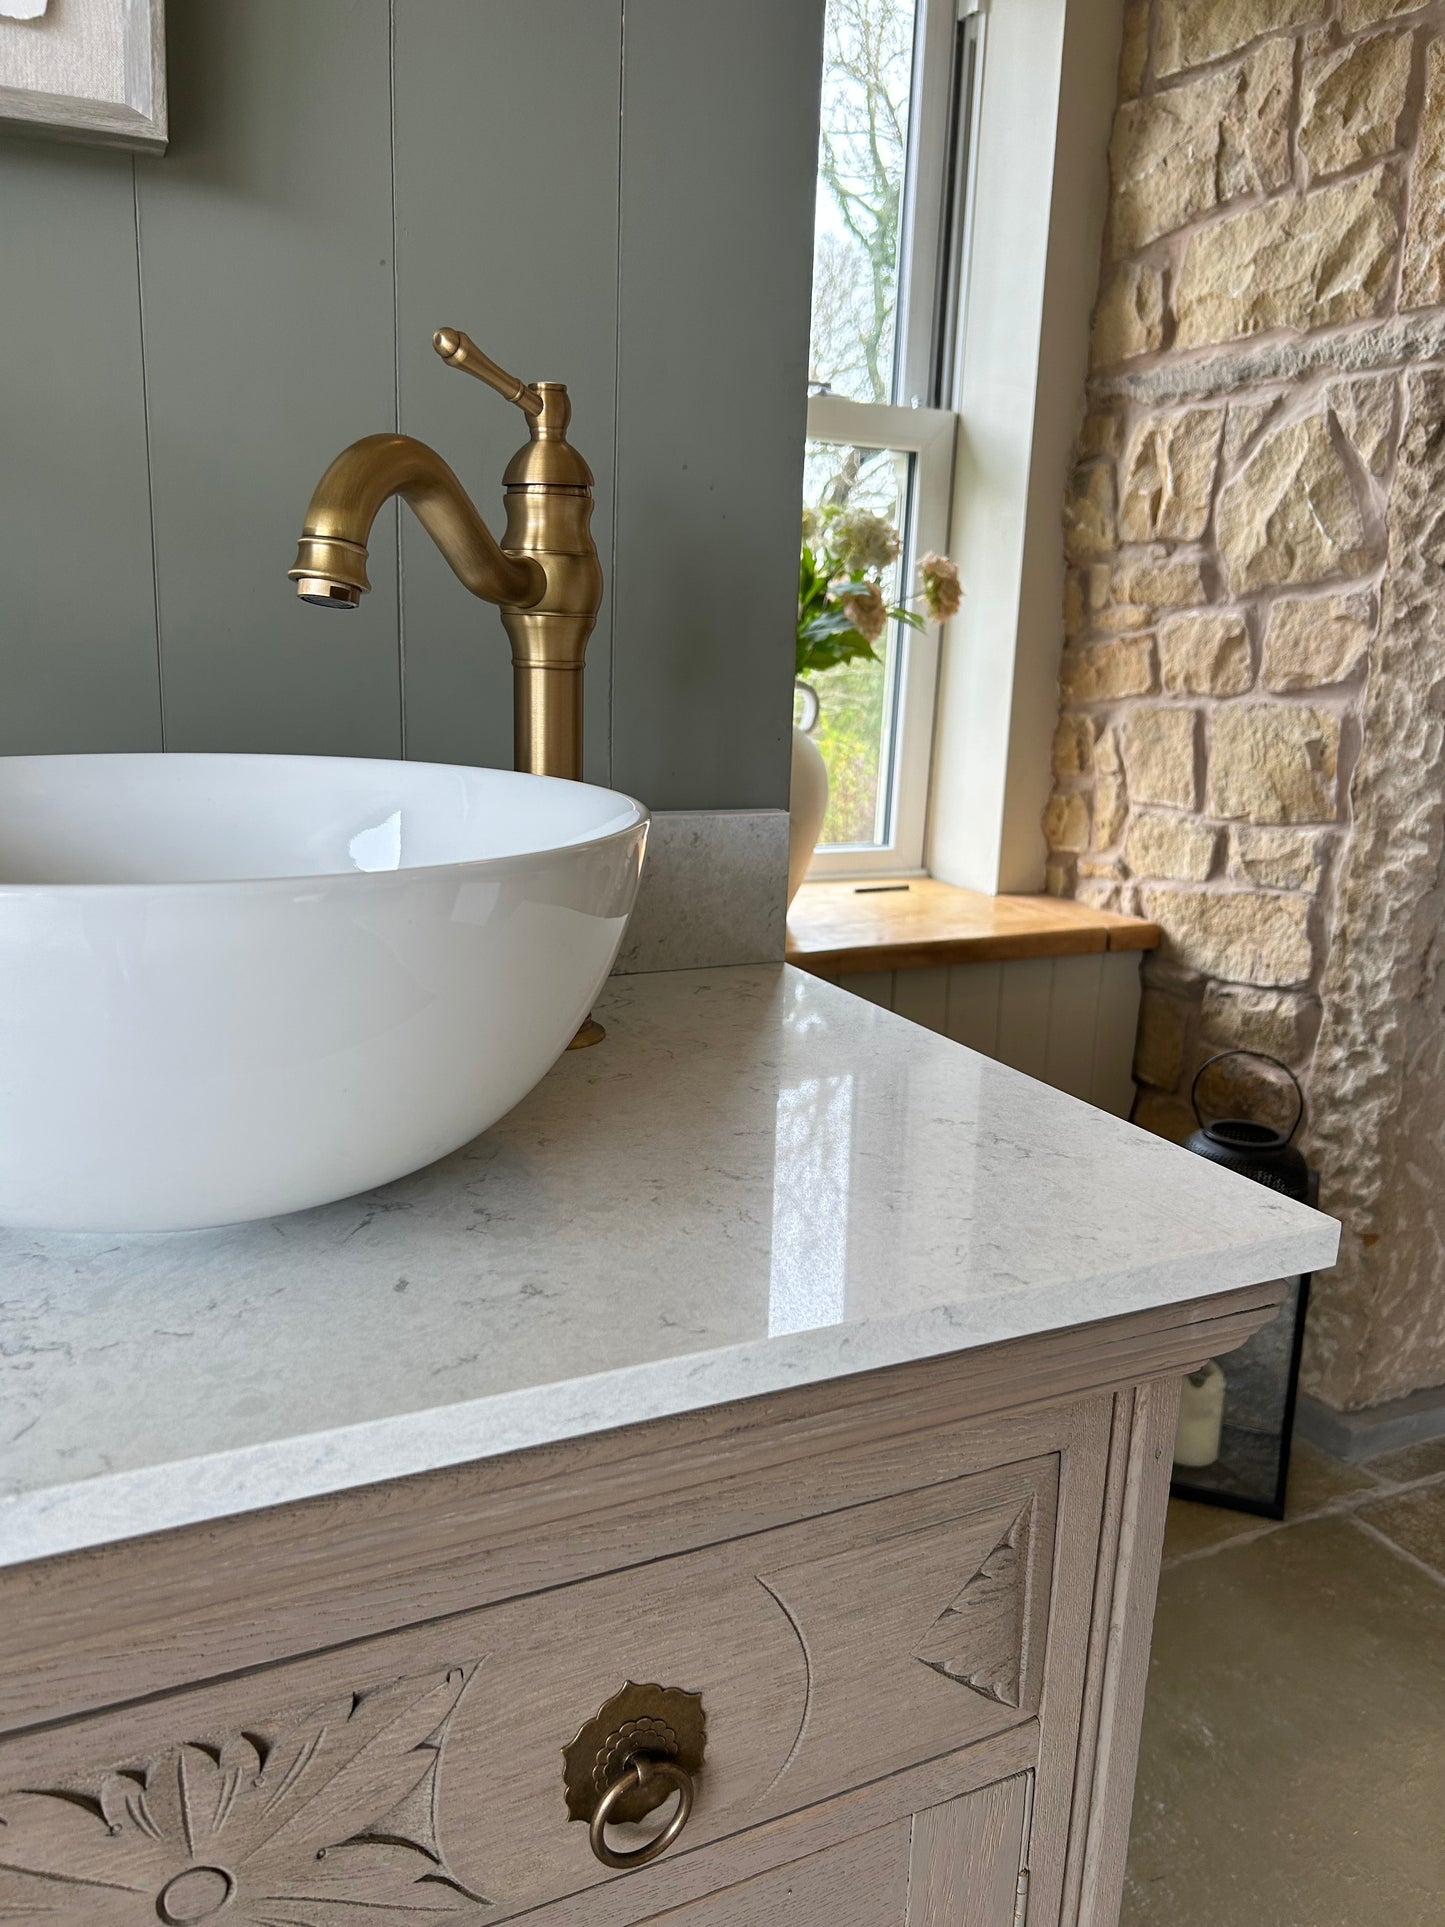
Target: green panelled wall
x=612 y=193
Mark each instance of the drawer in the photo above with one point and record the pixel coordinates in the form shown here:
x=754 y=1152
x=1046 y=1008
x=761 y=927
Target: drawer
x=419 y=1772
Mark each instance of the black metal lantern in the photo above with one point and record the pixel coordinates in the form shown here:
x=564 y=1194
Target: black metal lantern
x=1232 y=1446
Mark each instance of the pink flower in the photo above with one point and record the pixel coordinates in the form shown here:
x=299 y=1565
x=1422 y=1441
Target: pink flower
x=942 y=591
x=866 y=610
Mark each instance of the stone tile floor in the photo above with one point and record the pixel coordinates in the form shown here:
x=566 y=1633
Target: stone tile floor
x=1292 y=1770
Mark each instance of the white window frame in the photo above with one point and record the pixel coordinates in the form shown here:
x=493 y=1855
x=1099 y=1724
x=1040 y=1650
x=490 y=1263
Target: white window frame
x=1044 y=91
x=933 y=262
x=1045 y=95
x=927 y=434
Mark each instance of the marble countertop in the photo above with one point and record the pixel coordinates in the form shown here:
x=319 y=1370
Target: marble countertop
x=758 y=1181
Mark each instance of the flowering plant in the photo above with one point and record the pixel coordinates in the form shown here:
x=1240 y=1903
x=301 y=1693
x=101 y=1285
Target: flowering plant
x=842 y=610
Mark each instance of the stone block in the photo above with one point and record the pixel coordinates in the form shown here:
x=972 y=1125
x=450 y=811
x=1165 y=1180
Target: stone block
x=1293 y=262
x=1073 y=751
x=1122 y=618
x=1165 y=583
x=1424 y=278
x=1100 y=895
x=1166 y=1117
x=1278 y=859
x=1205 y=655
x=1089 y=528
x=1365 y=410
x=1184 y=151
x=1291 y=514
x=1355 y=14
x=1242 y=1088
x=1102 y=433
x=1240 y=423
x=1169 y=476
x=1111 y=810
x=1075 y=617
x=1134 y=52
x=1066 y=823
x=1129 y=314
x=1159 y=1045
x=1237 y=1017
x=1239 y=935
x=1353 y=102
x=1192 y=32
x=1312 y=641
x=1159 y=747
x=1273 y=762
x=1178 y=847
x=1105 y=671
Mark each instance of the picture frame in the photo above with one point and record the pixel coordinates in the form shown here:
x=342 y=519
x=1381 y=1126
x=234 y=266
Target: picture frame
x=86 y=70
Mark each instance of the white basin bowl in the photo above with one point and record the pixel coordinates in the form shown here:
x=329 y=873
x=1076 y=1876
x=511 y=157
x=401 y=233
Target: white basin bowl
x=232 y=986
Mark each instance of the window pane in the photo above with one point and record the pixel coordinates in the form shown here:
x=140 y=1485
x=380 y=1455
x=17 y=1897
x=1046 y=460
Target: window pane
x=862 y=153
x=857 y=703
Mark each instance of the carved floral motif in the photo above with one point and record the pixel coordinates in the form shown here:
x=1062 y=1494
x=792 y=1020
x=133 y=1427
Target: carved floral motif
x=329 y=1818
x=978 y=1640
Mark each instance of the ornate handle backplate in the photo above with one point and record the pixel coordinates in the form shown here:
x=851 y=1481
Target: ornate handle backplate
x=642 y=1746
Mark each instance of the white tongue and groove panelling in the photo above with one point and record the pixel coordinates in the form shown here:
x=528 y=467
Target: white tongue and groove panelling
x=1069 y=1021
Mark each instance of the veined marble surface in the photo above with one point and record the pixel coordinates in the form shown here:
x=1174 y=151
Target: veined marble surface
x=714 y=891
x=757 y=1181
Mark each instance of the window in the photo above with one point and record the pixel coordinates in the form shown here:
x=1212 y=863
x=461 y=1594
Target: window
x=899 y=84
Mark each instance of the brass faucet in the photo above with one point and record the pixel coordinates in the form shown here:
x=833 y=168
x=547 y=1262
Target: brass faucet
x=544 y=574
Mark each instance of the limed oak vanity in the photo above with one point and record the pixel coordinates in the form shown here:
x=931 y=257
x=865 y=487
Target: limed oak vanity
x=770 y=1421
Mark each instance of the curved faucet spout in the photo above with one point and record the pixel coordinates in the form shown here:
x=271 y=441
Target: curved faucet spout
x=330 y=566
x=544 y=573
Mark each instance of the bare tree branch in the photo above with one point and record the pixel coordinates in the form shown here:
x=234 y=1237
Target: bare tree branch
x=861 y=157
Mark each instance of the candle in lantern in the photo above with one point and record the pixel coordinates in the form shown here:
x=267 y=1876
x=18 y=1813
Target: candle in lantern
x=1201 y=1416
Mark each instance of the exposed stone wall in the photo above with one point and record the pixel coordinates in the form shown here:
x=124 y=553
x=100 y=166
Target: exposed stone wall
x=1250 y=741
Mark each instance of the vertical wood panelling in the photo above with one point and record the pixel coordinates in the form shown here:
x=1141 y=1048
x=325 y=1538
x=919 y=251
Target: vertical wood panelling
x=1073 y=1022
x=922 y=996
x=1025 y=991
x=973 y=1006
x=1112 y=1083
x=77 y=612
x=875 y=986
x=506 y=202
x=966 y=1856
x=265 y=237
x=627 y=212
x=718 y=158
x=1069 y=1021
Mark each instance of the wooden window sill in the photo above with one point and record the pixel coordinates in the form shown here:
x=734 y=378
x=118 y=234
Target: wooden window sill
x=845 y=926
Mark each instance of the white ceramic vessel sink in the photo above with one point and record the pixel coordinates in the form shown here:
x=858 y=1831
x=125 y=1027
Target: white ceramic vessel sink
x=233 y=986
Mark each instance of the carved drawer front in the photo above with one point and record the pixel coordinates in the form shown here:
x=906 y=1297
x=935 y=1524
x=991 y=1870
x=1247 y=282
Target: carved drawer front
x=420 y=1773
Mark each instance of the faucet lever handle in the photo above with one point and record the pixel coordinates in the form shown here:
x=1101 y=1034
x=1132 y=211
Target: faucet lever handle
x=460 y=351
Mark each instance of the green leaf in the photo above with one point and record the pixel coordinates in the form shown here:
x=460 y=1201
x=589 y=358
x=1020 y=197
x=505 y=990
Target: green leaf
x=829 y=622
x=832 y=651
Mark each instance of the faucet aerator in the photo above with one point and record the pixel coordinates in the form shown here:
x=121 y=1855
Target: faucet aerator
x=328 y=595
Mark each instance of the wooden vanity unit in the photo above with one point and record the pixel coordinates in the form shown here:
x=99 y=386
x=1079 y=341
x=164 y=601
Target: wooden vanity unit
x=731 y=1366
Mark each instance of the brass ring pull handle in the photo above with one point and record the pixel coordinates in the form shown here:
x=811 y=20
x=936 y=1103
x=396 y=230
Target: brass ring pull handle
x=641 y=1771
